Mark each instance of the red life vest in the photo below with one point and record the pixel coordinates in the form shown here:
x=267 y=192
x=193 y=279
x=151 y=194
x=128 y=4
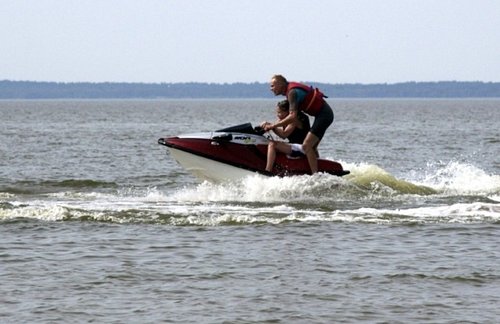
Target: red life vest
x=313 y=101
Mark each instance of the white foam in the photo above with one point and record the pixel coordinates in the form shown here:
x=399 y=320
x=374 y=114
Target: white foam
x=215 y=213
x=6 y=195
x=456 y=213
x=273 y=200
x=260 y=189
x=460 y=178
x=40 y=212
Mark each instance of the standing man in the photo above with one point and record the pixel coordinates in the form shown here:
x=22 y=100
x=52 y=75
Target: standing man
x=309 y=100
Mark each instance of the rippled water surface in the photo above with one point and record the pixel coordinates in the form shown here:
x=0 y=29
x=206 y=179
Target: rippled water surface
x=98 y=224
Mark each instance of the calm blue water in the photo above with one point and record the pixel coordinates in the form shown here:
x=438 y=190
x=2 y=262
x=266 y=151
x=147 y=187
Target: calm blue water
x=99 y=224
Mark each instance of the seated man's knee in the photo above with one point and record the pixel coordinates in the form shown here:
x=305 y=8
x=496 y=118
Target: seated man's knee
x=307 y=147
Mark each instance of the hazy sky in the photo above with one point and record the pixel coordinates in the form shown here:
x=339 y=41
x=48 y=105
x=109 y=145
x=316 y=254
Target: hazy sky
x=351 y=41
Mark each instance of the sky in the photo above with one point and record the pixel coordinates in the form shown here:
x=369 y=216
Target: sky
x=227 y=41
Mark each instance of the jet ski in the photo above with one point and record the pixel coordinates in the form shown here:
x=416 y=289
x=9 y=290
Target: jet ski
x=235 y=152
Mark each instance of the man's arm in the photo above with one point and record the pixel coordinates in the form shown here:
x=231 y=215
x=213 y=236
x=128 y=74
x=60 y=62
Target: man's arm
x=292 y=116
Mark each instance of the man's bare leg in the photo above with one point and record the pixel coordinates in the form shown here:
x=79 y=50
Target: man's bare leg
x=271 y=156
x=274 y=147
x=310 y=143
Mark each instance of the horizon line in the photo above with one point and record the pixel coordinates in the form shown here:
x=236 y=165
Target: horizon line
x=240 y=82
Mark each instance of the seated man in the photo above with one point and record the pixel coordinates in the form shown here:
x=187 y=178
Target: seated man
x=295 y=131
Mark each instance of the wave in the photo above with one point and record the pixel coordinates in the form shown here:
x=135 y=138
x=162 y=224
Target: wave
x=216 y=214
x=366 y=181
x=372 y=177
x=460 y=178
x=442 y=193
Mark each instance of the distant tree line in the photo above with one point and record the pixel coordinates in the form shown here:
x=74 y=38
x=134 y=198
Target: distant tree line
x=88 y=90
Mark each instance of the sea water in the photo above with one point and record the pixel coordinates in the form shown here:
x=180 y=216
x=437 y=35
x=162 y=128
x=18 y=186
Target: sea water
x=99 y=224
